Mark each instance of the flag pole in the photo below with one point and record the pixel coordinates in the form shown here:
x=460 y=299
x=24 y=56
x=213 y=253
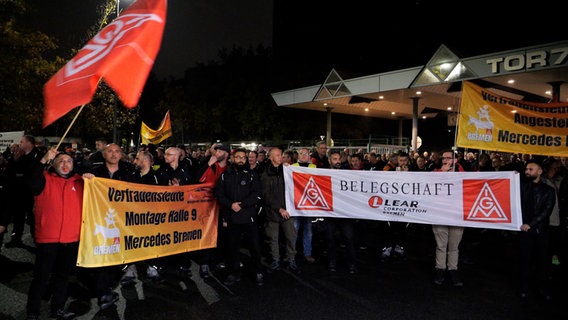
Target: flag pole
x=455 y=145
x=69 y=128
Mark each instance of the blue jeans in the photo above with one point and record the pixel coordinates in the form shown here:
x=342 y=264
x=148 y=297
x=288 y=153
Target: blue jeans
x=306 y=224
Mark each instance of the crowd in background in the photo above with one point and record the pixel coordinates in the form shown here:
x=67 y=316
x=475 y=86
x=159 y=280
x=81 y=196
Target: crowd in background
x=209 y=165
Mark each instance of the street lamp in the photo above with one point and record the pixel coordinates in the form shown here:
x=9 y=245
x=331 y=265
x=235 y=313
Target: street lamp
x=115 y=107
x=114 y=118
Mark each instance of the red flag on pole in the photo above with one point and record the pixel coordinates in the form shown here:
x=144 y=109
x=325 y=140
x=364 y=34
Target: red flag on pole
x=122 y=53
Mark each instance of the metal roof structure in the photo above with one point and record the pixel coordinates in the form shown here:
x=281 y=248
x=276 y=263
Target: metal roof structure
x=535 y=74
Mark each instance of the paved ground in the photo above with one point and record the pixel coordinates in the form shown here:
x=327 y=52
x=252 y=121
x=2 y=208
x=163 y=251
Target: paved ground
x=392 y=290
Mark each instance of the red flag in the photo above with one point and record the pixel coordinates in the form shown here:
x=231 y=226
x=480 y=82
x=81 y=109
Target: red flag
x=122 y=53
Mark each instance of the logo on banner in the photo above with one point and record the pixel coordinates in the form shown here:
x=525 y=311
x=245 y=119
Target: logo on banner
x=490 y=203
x=110 y=231
x=482 y=123
x=375 y=201
x=312 y=192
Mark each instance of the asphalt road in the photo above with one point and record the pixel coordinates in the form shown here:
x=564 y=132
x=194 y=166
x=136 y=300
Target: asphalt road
x=401 y=289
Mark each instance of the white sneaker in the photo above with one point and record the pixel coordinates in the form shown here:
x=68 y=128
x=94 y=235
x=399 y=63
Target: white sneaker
x=153 y=274
x=129 y=276
x=386 y=253
x=130 y=271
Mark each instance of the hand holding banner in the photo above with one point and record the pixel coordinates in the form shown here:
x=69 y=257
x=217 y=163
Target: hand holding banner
x=127 y=222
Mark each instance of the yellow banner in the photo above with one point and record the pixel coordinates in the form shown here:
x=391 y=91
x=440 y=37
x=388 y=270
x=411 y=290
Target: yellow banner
x=488 y=121
x=127 y=222
x=149 y=135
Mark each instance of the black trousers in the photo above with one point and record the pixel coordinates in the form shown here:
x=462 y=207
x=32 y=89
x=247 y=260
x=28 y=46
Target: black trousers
x=53 y=265
x=535 y=259
x=21 y=209
x=249 y=233
x=347 y=230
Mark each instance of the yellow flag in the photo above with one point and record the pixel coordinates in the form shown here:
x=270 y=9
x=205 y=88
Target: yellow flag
x=125 y=222
x=489 y=121
x=149 y=135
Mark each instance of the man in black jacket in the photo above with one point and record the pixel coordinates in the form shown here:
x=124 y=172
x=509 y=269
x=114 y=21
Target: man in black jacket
x=21 y=199
x=117 y=169
x=274 y=197
x=537 y=203
x=238 y=193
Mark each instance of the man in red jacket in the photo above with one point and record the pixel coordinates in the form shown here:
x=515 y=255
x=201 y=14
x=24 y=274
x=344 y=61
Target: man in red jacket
x=58 y=195
x=215 y=166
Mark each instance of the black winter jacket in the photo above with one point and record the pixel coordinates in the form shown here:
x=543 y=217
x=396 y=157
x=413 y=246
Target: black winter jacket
x=238 y=186
x=273 y=192
x=537 y=203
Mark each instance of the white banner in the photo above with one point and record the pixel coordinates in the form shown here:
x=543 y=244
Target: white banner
x=8 y=138
x=488 y=200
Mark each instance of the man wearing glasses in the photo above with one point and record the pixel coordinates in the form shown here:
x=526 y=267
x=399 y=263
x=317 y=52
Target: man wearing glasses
x=448 y=238
x=319 y=157
x=177 y=173
x=305 y=222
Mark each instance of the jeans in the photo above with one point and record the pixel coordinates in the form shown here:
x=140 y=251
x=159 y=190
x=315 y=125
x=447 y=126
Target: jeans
x=306 y=224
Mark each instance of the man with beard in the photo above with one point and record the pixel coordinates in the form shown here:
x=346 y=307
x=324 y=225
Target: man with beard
x=537 y=203
x=238 y=193
x=346 y=226
x=216 y=165
x=58 y=207
x=144 y=174
x=448 y=238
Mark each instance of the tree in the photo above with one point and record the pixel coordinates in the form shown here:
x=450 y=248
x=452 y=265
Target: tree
x=27 y=62
x=228 y=100
x=98 y=117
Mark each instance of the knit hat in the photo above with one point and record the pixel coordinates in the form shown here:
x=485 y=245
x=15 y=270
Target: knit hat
x=223 y=147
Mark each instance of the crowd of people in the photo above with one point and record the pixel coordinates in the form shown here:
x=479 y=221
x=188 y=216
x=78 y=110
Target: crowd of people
x=249 y=186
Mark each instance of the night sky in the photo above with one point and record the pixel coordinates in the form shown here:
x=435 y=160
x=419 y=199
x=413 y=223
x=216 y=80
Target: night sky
x=355 y=37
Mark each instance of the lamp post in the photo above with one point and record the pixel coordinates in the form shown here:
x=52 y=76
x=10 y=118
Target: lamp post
x=115 y=106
